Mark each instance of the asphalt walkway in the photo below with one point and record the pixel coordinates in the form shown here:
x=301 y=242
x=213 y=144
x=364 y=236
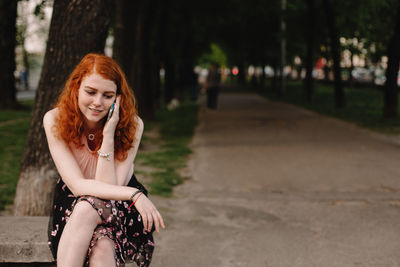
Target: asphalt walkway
x=275 y=185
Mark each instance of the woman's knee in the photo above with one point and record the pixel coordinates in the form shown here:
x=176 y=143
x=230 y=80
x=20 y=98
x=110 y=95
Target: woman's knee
x=102 y=252
x=84 y=212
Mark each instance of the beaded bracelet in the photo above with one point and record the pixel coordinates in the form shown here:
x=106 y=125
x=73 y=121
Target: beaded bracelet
x=104 y=155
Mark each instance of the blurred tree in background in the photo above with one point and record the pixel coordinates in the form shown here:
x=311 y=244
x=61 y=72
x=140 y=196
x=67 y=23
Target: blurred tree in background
x=8 y=18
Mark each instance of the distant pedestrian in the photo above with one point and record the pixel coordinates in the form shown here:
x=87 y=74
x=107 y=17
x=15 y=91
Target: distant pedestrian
x=24 y=79
x=212 y=86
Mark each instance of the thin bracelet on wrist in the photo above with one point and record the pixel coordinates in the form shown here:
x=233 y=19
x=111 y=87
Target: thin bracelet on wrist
x=140 y=192
x=134 y=194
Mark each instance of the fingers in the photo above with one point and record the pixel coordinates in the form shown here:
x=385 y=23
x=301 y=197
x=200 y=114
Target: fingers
x=149 y=222
x=161 y=220
x=144 y=219
x=150 y=215
x=158 y=221
x=118 y=101
x=117 y=105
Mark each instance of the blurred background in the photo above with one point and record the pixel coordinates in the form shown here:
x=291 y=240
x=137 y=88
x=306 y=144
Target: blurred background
x=337 y=57
x=252 y=42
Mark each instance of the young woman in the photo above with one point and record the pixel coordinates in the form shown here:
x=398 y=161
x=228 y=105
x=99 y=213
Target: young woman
x=101 y=214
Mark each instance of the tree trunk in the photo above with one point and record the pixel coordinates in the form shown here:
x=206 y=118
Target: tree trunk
x=282 y=63
x=138 y=74
x=156 y=53
x=308 y=81
x=242 y=76
x=274 y=82
x=335 y=49
x=125 y=34
x=8 y=16
x=390 y=106
x=186 y=51
x=145 y=61
x=350 y=78
x=254 y=81
x=77 y=28
x=165 y=53
x=263 y=77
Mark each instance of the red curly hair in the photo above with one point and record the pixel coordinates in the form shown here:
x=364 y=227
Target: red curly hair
x=69 y=122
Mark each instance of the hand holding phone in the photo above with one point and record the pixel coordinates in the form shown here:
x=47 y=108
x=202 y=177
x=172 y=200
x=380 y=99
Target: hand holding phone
x=111 y=111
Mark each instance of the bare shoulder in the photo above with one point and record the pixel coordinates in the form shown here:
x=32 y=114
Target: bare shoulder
x=49 y=118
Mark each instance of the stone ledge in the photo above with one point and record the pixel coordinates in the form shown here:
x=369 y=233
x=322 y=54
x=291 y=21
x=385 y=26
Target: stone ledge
x=23 y=240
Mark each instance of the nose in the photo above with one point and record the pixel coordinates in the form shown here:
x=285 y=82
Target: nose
x=98 y=100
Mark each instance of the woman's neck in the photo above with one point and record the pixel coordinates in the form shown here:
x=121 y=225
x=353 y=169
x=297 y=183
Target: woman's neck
x=91 y=126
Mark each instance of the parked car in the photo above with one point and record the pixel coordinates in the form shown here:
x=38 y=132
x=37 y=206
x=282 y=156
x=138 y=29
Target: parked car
x=380 y=78
x=362 y=75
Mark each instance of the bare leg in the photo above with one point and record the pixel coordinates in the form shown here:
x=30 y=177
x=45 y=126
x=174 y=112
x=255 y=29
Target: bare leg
x=76 y=236
x=103 y=253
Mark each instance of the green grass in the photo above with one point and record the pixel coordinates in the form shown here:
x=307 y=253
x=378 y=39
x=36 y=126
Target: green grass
x=364 y=105
x=14 y=127
x=176 y=129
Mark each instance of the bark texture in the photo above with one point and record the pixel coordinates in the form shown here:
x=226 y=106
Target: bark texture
x=8 y=16
x=77 y=28
x=391 y=89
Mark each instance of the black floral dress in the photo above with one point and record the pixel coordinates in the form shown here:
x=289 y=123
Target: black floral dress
x=120 y=223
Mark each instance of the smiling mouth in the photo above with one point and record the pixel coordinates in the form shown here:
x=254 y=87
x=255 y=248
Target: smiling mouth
x=96 y=110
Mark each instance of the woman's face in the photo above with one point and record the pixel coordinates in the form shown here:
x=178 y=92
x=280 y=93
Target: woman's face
x=96 y=95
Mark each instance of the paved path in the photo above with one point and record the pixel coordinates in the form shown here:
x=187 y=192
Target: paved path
x=275 y=185
x=26 y=95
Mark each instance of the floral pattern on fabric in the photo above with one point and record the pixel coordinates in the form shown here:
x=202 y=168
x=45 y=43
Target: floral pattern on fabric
x=120 y=223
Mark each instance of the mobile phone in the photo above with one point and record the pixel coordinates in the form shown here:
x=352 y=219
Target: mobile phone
x=111 y=111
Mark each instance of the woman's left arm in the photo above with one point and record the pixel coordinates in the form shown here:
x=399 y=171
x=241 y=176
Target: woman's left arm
x=124 y=169
x=105 y=169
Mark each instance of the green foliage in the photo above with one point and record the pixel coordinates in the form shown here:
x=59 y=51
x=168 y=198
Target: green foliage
x=179 y=122
x=364 y=105
x=249 y=31
x=14 y=127
x=39 y=9
x=216 y=55
x=176 y=129
x=370 y=22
